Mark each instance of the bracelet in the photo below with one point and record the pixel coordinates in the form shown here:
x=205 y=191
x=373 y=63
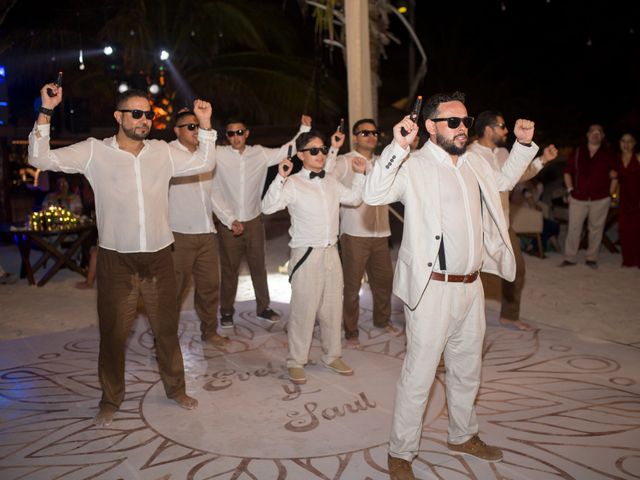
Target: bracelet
x=46 y=111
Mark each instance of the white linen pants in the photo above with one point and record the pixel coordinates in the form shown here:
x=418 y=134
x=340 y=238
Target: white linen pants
x=316 y=291
x=450 y=317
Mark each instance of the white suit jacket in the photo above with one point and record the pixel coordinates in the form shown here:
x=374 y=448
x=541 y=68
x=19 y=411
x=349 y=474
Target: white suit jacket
x=415 y=183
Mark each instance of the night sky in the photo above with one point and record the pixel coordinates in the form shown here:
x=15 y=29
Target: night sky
x=564 y=64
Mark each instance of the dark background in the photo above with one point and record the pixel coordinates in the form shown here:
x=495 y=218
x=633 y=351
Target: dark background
x=564 y=64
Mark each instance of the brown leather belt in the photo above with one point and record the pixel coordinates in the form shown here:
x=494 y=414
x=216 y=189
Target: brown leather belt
x=441 y=277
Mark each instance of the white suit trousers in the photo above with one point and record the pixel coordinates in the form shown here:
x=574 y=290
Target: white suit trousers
x=450 y=317
x=316 y=291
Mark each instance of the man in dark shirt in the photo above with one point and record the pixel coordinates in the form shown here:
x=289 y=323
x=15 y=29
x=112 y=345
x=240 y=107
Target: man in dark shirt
x=587 y=177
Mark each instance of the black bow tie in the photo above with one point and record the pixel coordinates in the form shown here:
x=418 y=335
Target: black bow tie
x=313 y=175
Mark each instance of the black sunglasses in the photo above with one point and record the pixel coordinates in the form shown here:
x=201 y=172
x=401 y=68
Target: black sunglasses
x=316 y=150
x=190 y=126
x=500 y=125
x=233 y=133
x=454 y=122
x=366 y=133
x=137 y=114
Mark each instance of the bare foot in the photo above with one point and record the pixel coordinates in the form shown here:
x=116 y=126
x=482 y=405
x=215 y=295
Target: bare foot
x=104 y=417
x=83 y=286
x=519 y=324
x=353 y=342
x=218 y=340
x=186 y=402
x=392 y=329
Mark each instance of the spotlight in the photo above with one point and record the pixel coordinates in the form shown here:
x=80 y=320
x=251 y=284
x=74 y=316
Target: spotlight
x=402 y=6
x=164 y=55
x=123 y=87
x=154 y=89
x=108 y=50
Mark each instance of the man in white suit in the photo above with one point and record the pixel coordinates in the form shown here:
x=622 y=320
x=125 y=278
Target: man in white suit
x=454 y=227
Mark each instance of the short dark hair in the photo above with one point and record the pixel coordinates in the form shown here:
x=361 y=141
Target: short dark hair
x=354 y=130
x=487 y=118
x=430 y=109
x=235 y=120
x=304 y=138
x=183 y=113
x=125 y=96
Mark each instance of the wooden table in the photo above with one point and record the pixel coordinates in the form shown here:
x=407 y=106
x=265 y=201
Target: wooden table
x=59 y=245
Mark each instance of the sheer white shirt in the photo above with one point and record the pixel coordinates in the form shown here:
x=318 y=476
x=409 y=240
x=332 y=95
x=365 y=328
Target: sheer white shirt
x=131 y=192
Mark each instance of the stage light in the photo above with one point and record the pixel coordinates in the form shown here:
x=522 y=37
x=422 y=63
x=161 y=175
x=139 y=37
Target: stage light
x=164 y=55
x=154 y=89
x=123 y=87
x=402 y=6
x=81 y=66
x=108 y=50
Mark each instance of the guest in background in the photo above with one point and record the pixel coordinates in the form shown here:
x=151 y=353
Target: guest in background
x=627 y=169
x=63 y=197
x=587 y=178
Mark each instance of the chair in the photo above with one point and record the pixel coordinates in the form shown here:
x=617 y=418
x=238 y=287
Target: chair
x=528 y=223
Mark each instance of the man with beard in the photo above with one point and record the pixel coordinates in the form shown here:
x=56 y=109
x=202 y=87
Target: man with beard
x=454 y=227
x=130 y=177
x=492 y=131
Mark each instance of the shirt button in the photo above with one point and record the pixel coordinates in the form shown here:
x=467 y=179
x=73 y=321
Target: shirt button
x=429 y=264
x=437 y=237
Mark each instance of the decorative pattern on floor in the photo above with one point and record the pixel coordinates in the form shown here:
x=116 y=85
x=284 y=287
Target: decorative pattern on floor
x=560 y=406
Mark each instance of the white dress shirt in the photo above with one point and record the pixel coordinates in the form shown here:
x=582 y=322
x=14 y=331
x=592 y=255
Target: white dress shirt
x=241 y=176
x=131 y=192
x=191 y=201
x=497 y=157
x=363 y=220
x=461 y=213
x=313 y=205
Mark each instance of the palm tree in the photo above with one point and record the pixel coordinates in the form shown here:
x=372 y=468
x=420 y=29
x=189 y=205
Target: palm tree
x=242 y=54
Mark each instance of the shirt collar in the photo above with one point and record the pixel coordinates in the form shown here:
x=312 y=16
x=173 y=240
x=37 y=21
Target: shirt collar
x=305 y=173
x=176 y=143
x=482 y=147
x=113 y=143
x=443 y=157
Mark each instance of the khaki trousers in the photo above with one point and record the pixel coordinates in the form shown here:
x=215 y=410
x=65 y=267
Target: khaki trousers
x=370 y=254
x=512 y=291
x=316 y=291
x=251 y=244
x=122 y=278
x=450 y=318
x=579 y=210
x=196 y=255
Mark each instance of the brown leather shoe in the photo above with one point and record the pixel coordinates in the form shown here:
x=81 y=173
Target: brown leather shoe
x=399 y=469
x=477 y=448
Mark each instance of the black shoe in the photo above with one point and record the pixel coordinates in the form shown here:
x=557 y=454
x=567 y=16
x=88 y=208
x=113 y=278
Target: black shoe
x=592 y=264
x=567 y=263
x=226 y=320
x=269 y=315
